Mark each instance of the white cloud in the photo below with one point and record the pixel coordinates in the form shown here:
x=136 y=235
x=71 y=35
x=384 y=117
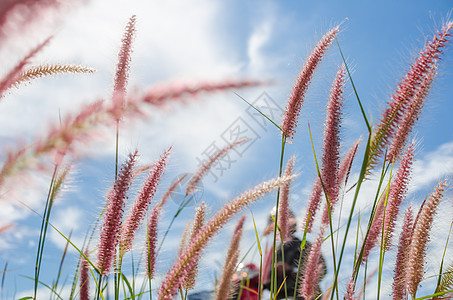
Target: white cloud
x=432 y=167
x=67 y=220
x=257 y=41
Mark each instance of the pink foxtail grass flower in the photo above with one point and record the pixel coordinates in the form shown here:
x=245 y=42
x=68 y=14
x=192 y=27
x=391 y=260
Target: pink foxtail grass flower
x=184 y=238
x=58 y=141
x=346 y=164
x=40 y=71
x=313 y=205
x=171 y=189
x=6 y=227
x=62 y=136
x=396 y=195
x=399 y=277
x=113 y=215
x=310 y=278
x=297 y=96
x=123 y=66
x=350 y=290
x=343 y=176
x=424 y=64
x=224 y=288
x=84 y=279
x=192 y=184
x=398 y=191
x=198 y=223
x=192 y=253
x=142 y=203
x=29 y=10
x=359 y=294
x=159 y=95
x=420 y=238
x=10 y=79
x=151 y=242
x=283 y=209
x=410 y=115
x=331 y=152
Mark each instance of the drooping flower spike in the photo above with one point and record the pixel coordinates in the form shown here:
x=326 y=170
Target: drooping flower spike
x=192 y=253
x=192 y=184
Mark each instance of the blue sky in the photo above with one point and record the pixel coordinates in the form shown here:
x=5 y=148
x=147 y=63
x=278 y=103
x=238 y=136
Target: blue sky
x=199 y=41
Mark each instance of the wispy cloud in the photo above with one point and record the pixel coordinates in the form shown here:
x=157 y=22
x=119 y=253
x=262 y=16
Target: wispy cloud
x=432 y=167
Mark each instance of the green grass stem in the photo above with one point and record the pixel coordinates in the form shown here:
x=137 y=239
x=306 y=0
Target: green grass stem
x=328 y=205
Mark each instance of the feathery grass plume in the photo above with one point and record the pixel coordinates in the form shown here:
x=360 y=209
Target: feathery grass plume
x=424 y=64
x=399 y=280
x=359 y=294
x=346 y=164
x=343 y=176
x=199 y=222
x=113 y=215
x=398 y=191
x=184 y=238
x=192 y=253
x=123 y=66
x=225 y=284
x=9 y=79
x=40 y=71
x=192 y=184
x=84 y=279
x=420 y=238
x=171 y=189
x=446 y=283
x=350 y=290
x=331 y=151
x=376 y=228
x=297 y=96
x=61 y=136
x=410 y=115
x=309 y=284
x=59 y=139
x=313 y=205
x=159 y=95
x=22 y=13
x=151 y=241
x=396 y=194
x=283 y=209
x=6 y=227
x=141 y=205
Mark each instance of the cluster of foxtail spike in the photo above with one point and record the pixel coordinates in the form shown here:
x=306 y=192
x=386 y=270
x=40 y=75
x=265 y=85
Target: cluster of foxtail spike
x=407 y=101
x=118 y=231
